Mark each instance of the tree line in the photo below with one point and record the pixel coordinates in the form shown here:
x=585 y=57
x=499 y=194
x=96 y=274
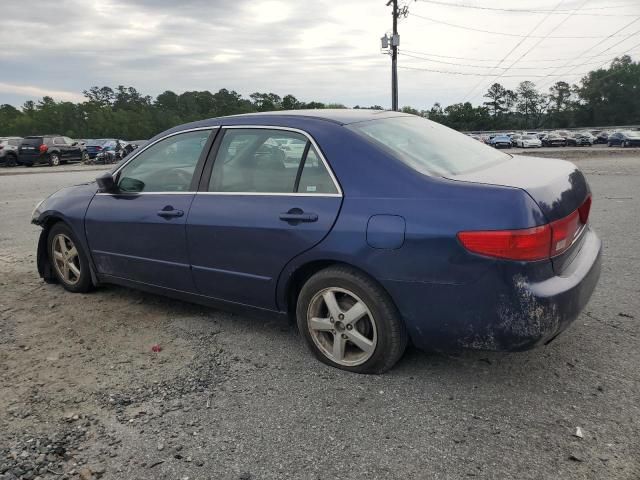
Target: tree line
x=607 y=96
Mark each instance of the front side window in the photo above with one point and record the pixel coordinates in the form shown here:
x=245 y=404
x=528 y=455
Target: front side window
x=167 y=166
x=428 y=147
x=58 y=141
x=268 y=161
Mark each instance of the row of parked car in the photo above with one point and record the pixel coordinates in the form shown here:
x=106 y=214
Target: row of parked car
x=561 y=138
x=54 y=150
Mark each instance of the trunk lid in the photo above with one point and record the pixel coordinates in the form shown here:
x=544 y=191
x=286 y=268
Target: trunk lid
x=557 y=187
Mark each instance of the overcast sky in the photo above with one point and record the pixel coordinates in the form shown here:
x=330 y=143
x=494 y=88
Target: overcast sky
x=323 y=50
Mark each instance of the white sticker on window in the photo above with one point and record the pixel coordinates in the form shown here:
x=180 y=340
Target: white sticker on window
x=311 y=188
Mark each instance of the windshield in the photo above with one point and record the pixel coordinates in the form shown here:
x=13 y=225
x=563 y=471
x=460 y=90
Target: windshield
x=428 y=147
x=529 y=137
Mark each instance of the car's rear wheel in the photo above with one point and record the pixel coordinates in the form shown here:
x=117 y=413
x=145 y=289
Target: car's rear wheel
x=54 y=160
x=85 y=157
x=11 y=161
x=349 y=322
x=69 y=262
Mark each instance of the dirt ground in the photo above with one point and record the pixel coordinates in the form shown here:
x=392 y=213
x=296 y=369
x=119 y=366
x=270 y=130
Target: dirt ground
x=82 y=394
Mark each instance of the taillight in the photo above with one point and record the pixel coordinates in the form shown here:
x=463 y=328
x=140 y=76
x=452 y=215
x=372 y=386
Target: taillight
x=43 y=148
x=529 y=244
x=98 y=148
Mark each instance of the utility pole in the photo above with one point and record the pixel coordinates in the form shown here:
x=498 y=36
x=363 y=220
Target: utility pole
x=394 y=43
x=394 y=58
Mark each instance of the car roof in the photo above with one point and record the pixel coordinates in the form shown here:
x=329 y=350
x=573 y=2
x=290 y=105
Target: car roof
x=342 y=116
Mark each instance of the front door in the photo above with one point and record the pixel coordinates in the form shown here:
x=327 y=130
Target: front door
x=268 y=197
x=138 y=233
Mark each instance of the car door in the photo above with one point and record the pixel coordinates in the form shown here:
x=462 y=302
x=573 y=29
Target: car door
x=138 y=233
x=73 y=150
x=256 y=209
x=60 y=145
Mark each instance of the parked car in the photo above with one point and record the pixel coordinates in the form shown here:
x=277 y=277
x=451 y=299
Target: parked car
x=9 y=151
x=554 y=140
x=514 y=139
x=626 y=138
x=580 y=139
x=121 y=147
x=500 y=141
x=528 y=141
x=602 y=138
x=51 y=149
x=389 y=227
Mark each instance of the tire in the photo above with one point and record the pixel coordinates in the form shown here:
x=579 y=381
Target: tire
x=74 y=282
x=11 y=161
x=380 y=324
x=608 y=144
x=85 y=157
x=54 y=159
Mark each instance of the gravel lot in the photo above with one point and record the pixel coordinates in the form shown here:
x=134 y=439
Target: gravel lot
x=83 y=396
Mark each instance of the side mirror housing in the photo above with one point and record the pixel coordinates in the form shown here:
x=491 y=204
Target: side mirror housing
x=106 y=183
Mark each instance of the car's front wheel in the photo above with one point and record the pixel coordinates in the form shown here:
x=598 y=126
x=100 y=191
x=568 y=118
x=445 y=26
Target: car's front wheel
x=349 y=322
x=69 y=262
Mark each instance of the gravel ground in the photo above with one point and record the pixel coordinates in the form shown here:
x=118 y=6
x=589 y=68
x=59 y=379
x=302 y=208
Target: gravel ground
x=228 y=397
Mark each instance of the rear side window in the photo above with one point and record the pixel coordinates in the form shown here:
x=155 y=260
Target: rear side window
x=32 y=141
x=167 y=166
x=59 y=141
x=268 y=161
x=428 y=147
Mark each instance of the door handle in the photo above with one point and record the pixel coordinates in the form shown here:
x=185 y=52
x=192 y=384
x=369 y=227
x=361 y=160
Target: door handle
x=299 y=217
x=170 y=213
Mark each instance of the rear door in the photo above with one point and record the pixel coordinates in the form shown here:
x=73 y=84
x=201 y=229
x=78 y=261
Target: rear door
x=139 y=233
x=258 y=206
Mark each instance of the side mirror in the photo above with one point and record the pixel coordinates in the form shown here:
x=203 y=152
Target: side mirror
x=106 y=183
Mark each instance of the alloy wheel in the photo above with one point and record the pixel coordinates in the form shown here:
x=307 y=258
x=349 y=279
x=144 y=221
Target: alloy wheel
x=55 y=159
x=66 y=259
x=342 y=326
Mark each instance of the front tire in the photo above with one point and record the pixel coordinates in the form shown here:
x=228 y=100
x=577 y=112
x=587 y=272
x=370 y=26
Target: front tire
x=349 y=322
x=68 y=260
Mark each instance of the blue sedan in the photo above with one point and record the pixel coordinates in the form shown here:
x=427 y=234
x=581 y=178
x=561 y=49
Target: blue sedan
x=383 y=228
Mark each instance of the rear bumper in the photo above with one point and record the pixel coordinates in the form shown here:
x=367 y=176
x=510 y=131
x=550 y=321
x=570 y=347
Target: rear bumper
x=500 y=312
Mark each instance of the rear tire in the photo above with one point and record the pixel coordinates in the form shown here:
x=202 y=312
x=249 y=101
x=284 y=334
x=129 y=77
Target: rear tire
x=54 y=159
x=69 y=262
x=368 y=335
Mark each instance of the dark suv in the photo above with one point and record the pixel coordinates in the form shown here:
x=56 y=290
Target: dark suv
x=9 y=150
x=51 y=149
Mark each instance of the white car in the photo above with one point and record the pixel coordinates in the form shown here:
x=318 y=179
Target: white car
x=528 y=141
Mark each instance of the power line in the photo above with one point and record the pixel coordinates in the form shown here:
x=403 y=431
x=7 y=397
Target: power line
x=536 y=10
x=429 y=54
x=473 y=89
x=627 y=37
x=538 y=42
x=404 y=52
x=477 y=74
x=463 y=27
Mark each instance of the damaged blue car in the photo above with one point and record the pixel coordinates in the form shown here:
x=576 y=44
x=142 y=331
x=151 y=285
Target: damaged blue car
x=377 y=229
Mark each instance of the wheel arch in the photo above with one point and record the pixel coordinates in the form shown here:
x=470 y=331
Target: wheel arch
x=298 y=277
x=43 y=261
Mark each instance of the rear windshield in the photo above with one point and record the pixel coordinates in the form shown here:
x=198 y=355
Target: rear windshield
x=32 y=141
x=529 y=137
x=428 y=147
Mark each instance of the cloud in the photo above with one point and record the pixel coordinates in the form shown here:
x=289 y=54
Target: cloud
x=322 y=50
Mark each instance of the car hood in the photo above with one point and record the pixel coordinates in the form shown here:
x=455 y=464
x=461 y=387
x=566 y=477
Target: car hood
x=68 y=200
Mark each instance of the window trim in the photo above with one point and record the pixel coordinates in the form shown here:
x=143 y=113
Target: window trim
x=310 y=140
x=207 y=148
